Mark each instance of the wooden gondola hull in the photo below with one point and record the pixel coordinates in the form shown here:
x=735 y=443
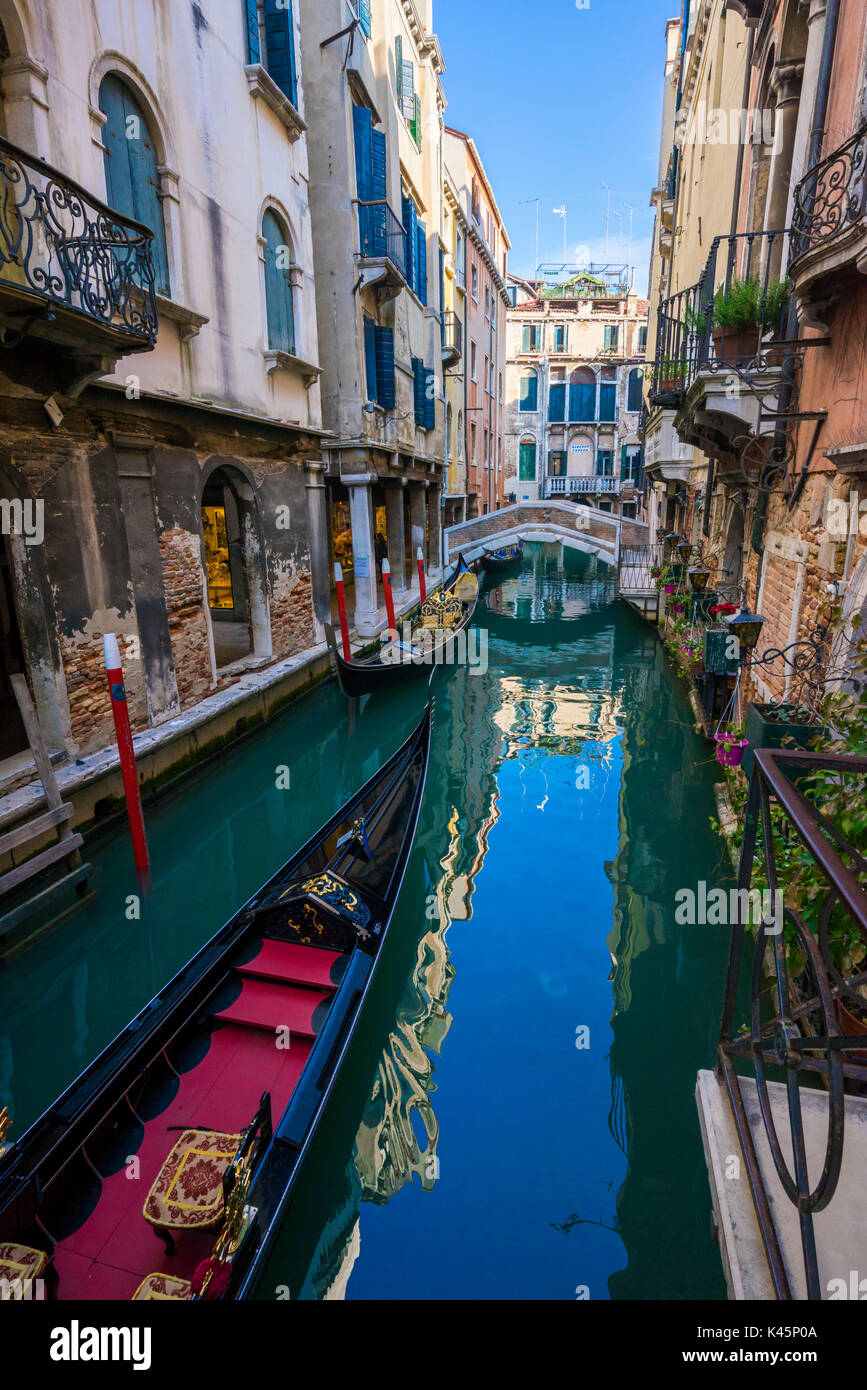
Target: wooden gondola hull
x=373 y=675
x=495 y=564
x=300 y=956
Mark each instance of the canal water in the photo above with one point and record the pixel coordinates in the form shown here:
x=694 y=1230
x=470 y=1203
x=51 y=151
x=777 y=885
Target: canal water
x=516 y=1118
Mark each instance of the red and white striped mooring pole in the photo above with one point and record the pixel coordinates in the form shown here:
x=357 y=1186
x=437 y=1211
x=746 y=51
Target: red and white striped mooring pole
x=341 y=608
x=123 y=732
x=389 y=597
x=422 y=586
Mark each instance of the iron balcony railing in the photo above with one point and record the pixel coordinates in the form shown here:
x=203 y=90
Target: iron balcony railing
x=381 y=233
x=734 y=316
x=565 y=486
x=803 y=1023
x=453 y=333
x=831 y=196
x=635 y=565
x=61 y=247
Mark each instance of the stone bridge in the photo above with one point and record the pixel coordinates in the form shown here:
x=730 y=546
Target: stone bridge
x=582 y=528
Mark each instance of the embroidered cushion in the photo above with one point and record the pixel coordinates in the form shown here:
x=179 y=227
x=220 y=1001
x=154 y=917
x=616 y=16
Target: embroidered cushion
x=161 y=1286
x=188 y=1191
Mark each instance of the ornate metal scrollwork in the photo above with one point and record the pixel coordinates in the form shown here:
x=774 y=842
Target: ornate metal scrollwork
x=831 y=196
x=67 y=248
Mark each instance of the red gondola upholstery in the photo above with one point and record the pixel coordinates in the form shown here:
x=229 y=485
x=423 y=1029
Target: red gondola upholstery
x=188 y=1191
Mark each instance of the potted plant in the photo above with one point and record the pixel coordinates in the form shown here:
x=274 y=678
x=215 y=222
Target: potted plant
x=741 y=310
x=773 y=726
x=730 y=746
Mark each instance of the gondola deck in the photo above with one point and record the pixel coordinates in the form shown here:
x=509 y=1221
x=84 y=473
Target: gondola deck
x=256 y=1025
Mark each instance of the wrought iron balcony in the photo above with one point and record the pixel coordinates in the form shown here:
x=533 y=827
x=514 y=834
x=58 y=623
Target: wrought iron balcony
x=740 y=283
x=382 y=243
x=830 y=204
x=70 y=267
x=453 y=337
x=803 y=1023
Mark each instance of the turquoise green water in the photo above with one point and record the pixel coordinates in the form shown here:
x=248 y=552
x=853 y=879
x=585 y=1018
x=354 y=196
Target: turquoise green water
x=516 y=1117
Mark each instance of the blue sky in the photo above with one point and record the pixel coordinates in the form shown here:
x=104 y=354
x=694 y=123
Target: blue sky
x=559 y=99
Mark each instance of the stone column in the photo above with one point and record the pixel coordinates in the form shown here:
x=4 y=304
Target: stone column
x=317 y=525
x=396 y=538
x=363 y=552
x=434 y=498
x=786 y=81
x=416 y=516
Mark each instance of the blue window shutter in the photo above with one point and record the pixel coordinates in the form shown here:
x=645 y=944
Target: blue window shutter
x=529 y=393
x=378 y=169
x=385 y=367
x=362 y=118
x=633 y=399
x=430 y=403
x=278 y=288
x=398 y=66
x=421 y=262
x=131 y=177
x=280 y=46
x=525 y=338
x=557 y=403
x=410 y=222
x=370 y=362
x=526 y=462
x=251 y=26
x=582 y=401
x=442 y=285
x=607 y=401
x=418 y=390
x=604 y=463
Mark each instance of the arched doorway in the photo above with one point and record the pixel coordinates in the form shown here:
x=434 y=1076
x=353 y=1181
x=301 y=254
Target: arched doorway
x=234 y=569
x=733 y=555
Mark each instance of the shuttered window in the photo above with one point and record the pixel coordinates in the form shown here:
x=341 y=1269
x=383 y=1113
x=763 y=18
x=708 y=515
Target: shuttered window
x=633 y=396
x=529 y=393
x=370 y=358
x=280 y=47
x=430 y=400
x=251 y=28
x=418 y=390
x=556 y=463
x=610 y=336
x=582 y=401
x=527 y=461
x=363 y=10
x=557 y=403
x=608 y=401
x=131 y=178
x=370 y=182
x=278 y=287
x=560 y=337
x=385 y=367
x=605 y=463
x=421 y=262
x=531 y=337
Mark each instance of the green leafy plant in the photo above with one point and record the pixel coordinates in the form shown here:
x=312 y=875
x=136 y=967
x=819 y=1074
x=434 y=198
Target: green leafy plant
x=746 y=303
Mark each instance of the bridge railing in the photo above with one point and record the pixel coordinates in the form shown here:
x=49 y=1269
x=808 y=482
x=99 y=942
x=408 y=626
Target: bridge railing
x=583 y=527
x=636 y=563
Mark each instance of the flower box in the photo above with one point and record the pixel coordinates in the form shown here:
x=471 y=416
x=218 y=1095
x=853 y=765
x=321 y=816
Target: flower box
x=765 y=731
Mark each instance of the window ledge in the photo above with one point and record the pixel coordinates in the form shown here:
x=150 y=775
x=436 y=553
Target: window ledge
x=263 y=86
x=278 y=360
x=188 y=321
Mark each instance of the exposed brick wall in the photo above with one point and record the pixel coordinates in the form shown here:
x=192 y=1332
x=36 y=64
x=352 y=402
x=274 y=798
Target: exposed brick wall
x=292 y=617
x=188 y=622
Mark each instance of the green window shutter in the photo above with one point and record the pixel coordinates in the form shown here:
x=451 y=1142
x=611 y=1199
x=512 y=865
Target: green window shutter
x=398 y=68
x=278 y=288
x=251 y=27
x=131 y=177
x=525 y=338
x=421 y=261
x=527 y=463
x=529 y=393
x=370 y=358
x=624 y=462
x=557 y=403
x=385 y=367
x=611 y=333
x=604 y=463
x=410 y=222
x=280 y=46
x=416 y=120
x=408 y=90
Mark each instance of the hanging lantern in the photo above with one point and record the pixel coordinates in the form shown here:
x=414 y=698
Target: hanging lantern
x=684 y=549
x=661 y=533
x=747 y=628
x=698 y=578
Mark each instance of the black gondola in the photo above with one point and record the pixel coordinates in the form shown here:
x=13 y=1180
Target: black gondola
x=262 y=1015
x=494 y=561
x=388 y=664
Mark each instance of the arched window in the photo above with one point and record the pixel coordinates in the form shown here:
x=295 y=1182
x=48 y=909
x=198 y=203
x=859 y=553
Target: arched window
x=131 y=177
x=527 y=459
x=633 y=393
x=582 y=394
x=529 y=392
x=278 y=285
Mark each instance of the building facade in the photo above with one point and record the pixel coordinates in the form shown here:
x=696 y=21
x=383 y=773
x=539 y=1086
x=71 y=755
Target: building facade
x=756 y=394
x=486 y=246
x=574 y=382
x=160 y=392
x=375 y=106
